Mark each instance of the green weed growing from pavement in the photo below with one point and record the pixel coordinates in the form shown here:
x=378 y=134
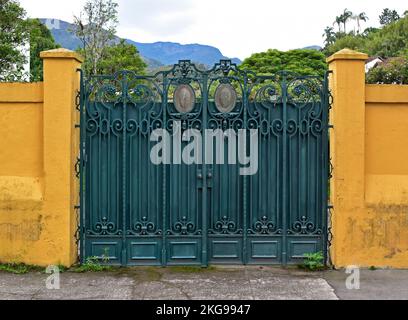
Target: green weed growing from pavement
x=313 y=261
x=19 y=268
x=91 y=265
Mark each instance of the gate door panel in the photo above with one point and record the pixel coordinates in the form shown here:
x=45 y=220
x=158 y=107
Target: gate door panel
x=198 y=167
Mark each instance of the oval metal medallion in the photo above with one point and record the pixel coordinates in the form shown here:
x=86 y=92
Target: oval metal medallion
x=184 y=98
x=225 y=97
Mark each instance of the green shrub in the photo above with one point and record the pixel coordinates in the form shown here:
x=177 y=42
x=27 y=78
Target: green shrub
x=91 y=265
x=313 y=261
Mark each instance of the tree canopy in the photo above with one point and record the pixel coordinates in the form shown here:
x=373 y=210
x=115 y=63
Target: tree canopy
x=104 y=53
x=16 y=32
x=122 y=56
x=96 y=28
x=41 y=39
x=388 y=16
x=13 y=37
x=389 y=41
x=301 y=61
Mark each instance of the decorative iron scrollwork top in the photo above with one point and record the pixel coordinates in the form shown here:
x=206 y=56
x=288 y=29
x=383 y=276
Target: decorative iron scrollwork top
x=184 y=227
x=264 y=226
x=144 y=228
x=304 y=226
x=104 y=227
x=225 y=226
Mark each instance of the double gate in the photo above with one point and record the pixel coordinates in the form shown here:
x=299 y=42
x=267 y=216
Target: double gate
x=152 y=193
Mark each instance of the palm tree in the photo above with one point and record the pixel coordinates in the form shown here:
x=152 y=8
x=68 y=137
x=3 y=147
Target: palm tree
x=338 y=21
x=345 y=17
x=329 y=36
x=360 y=17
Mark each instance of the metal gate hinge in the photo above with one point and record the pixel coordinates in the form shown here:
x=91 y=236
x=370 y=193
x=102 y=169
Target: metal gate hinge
x=77 y=167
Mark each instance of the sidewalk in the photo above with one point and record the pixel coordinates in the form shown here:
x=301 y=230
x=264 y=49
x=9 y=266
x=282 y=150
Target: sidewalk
x=266 y=283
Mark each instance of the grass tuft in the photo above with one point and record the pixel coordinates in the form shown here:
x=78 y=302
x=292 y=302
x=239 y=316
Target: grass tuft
x=313 y=262
x=91 y=265
x=19 y=268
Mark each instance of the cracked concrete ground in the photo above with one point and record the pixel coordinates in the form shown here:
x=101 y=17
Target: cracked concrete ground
x=221 y=283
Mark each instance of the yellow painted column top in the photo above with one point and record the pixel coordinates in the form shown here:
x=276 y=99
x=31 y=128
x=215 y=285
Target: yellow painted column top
x=61 y=53
x=347 y=54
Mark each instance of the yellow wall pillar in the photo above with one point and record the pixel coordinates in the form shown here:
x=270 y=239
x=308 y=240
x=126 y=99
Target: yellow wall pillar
x=61 y=84
x=347 y=83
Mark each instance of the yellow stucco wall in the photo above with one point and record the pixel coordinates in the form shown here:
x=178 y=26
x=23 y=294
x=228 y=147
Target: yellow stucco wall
x=38 y=145
x=369 y=150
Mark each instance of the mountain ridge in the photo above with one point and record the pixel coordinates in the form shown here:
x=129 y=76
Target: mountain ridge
x=156 y=54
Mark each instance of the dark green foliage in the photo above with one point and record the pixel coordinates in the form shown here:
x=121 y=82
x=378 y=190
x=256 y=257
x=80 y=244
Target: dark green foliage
x=19 y=268
x=350 y=41
x=13 y=36
x=122 y=56
x=313 y=262
x=303 y=62
x=40 y=40
x=391 y=72
x=91 y=265
x=390 y=41
x=329 y=36
x=388 y=16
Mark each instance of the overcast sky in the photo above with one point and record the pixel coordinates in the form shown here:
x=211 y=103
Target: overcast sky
x=237 y=27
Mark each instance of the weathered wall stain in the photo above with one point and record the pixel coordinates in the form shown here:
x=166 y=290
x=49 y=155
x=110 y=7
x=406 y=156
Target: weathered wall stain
x=28 y=230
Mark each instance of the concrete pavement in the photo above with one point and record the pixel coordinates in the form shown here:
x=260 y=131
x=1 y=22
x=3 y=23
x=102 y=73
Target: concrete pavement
x=220 y=283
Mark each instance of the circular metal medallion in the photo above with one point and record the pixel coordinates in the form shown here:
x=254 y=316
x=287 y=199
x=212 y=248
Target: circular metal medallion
x=184 y=98
x=225 y=97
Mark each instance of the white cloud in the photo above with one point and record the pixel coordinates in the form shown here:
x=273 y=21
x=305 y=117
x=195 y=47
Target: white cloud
x=236 y=27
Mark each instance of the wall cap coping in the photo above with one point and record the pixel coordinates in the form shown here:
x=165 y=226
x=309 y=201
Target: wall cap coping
x=347 y=54
x=61 y=53
x=17 y=92
x=386 y=93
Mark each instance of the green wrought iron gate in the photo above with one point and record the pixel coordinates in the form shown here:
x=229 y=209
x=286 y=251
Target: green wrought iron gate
x=138 y=212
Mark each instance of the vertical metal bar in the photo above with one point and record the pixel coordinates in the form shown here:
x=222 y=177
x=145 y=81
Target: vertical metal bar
x=268 y=159
x=108 y=168
x=164 y=209
x=132 y=184
x=325 y=160
x=124 y=173
x=299 y=156
x=148 y=178
x=204 y=255
x=244 y=188
x=284 y=174
x=82 y=157
x=140 y=181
